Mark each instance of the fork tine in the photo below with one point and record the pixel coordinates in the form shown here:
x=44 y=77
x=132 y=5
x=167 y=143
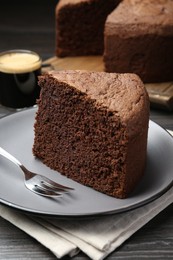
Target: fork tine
x=56 y=185
x=40 y=190
x=52 y=188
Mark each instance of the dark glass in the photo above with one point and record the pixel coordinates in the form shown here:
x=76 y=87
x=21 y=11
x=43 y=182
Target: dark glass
x=19 y=90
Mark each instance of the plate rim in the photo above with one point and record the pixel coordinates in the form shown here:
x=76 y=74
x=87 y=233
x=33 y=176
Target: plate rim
x=28 y=210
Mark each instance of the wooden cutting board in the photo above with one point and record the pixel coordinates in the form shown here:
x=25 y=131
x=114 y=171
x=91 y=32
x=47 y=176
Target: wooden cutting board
x=161 y=94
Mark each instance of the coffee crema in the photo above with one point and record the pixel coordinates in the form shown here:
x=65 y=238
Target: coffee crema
x=19 y=62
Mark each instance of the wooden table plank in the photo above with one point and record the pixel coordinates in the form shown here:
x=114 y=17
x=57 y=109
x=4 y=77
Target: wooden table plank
x=92 y=63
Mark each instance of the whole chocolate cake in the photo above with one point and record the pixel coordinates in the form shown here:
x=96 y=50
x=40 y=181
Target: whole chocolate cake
x=92 y=127
x=141 y=32
x=80 y=26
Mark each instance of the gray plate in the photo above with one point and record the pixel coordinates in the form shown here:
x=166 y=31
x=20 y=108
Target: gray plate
x=16 y=136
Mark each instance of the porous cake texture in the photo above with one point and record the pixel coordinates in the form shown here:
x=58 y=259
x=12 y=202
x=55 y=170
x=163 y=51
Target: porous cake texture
x=80 y=26
x=134 y=36
x=92 y=127
x=139 y=39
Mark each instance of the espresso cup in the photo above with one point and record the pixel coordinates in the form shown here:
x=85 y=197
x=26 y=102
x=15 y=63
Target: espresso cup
x=19 y=71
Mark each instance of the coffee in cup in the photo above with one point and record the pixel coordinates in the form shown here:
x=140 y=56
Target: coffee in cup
x=19 y=71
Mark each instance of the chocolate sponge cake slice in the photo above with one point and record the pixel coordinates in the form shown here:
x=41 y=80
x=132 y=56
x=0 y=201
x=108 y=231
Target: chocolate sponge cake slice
x=92 y=127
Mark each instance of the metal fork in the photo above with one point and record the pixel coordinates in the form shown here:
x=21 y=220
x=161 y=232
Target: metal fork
x=37 y=183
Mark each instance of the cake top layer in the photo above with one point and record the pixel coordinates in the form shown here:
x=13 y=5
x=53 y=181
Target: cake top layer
x=146 y=16
x=71 y=2
x=123 y=94
x=63 y=3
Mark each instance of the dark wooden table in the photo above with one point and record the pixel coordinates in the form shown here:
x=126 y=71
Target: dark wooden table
x=31 y=25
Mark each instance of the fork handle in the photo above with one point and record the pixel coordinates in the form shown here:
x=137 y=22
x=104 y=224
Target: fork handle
x=9 y=157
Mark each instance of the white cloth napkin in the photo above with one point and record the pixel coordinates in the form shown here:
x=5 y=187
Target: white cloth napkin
x=97 y=237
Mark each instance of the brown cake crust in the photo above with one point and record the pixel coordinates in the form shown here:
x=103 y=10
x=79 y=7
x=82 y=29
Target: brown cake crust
x=92 y=127
x=80 y=25
x=141 y=32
